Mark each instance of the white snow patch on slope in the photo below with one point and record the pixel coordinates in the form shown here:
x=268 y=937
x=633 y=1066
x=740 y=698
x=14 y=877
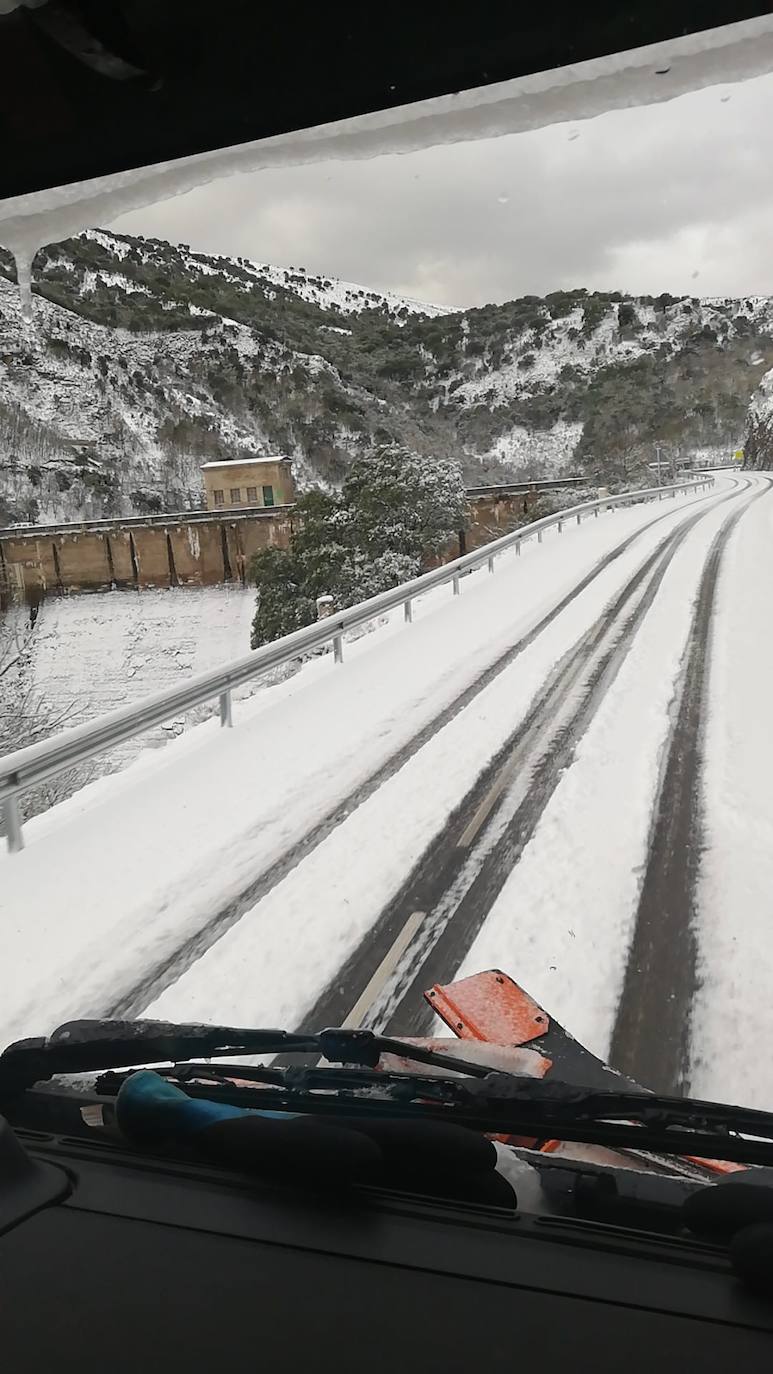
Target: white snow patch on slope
x=550 y=450
x=761 y=405
x=93 y=278
x=537 y=360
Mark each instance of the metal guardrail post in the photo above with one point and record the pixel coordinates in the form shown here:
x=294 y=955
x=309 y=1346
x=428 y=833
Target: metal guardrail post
x=338 y=648
x=408 y=611
x=226 y=717
x=455 y=581
x=579 y=517
x=491 y=563
x=12 y=818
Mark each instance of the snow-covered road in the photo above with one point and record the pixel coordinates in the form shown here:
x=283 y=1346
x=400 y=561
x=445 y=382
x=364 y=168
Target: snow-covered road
x=492 y=785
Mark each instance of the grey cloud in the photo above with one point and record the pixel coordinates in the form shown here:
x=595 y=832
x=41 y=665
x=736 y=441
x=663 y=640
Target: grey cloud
x=641 y=199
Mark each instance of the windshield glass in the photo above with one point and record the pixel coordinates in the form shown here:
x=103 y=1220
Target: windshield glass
x=237 y=406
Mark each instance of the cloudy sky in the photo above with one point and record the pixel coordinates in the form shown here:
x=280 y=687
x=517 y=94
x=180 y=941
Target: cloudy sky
x=672 y=197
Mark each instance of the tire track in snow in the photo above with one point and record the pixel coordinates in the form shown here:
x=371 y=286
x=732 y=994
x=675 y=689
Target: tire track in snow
x=651 y=1036
x=133 y=1000
x=462 y=872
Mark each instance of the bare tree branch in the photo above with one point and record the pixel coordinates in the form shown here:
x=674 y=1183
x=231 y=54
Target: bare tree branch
x=26 y=715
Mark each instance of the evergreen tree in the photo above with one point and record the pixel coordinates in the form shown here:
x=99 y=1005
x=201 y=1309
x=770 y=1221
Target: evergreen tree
x=395 y=508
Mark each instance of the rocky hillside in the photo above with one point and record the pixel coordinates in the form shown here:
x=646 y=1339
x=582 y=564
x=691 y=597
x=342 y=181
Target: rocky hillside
x=758 y=451
x=147 y=359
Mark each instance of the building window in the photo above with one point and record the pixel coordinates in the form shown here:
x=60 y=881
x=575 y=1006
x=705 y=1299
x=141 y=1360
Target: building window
x=268 y=496
x=219 y=497
x=236 y=496
x=252 y=495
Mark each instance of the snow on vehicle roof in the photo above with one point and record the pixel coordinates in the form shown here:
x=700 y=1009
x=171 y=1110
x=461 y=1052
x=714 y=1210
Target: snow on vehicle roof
x=582 y=90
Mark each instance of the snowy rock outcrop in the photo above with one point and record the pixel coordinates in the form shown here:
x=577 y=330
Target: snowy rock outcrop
x=758 y=448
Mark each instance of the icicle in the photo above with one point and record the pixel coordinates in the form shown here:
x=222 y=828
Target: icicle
x=24 y=278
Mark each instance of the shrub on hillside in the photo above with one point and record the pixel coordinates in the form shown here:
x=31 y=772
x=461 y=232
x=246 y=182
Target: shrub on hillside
x=594 y=309
x=561 y=303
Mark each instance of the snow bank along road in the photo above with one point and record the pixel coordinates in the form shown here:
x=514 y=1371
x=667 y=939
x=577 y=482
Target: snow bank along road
x=527 y=776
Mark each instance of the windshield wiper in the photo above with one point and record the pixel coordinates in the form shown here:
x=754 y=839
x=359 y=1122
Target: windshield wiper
x=500 y=1104
x=88 y=1045
x=483 y=1100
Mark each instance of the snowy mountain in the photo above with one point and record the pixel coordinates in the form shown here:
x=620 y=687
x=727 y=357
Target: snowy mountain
x=146 y=359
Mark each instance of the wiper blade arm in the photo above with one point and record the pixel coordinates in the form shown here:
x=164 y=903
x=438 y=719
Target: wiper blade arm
x=289 y=1086
x=87 y=1045
x=559 y=1104
x=483 y=1100
x=83 y=1046
x=500 y=1104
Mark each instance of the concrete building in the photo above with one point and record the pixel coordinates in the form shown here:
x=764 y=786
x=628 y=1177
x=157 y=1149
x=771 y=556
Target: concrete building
x=249 y=482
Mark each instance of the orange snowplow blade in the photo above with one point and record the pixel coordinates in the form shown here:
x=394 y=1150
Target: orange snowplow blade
x=491 y=1006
